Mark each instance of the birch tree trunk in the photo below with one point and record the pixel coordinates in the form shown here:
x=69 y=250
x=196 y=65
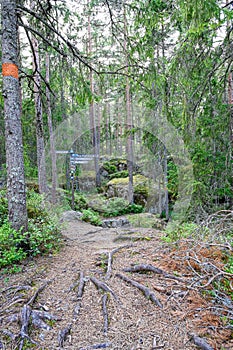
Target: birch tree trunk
x=50 y=127
x=16 y=188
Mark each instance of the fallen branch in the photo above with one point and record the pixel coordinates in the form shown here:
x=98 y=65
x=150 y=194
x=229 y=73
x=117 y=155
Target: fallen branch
x=97 y=346
x=149 y=267
x=200 y=342
x=105 y=313
x=146 y=291
x=104 y=287
x=63 y=334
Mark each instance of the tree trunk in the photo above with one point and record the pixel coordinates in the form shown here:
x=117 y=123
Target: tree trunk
x=92 y=112
x=51 y=135
x=39 y=115
x=128 y=122
x=16 y=188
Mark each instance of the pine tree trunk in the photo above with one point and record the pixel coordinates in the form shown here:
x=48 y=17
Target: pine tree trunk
x=38 y=114
x=39 y=119
x=92 y=112
x=16 y=188
x=51 y=135
x=128 y=122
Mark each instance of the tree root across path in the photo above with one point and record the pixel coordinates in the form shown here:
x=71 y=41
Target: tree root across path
x=27 y=316
x=159 y=287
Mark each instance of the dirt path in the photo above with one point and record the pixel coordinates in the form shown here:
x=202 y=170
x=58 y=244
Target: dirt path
x=134 y=321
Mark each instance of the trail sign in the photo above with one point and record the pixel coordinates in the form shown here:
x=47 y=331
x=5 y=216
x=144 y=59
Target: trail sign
x=62 y=152
x=76 y=155
x=82 y=161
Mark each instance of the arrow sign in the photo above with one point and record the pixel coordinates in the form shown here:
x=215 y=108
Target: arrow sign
x=83 y=161
x=62 y=152
x=75 y=155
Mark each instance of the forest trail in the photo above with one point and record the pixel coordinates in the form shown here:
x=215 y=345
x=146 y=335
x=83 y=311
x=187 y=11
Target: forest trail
x=121 y=317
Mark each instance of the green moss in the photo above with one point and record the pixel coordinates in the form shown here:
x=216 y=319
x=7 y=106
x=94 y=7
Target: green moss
x=110 y=168
x=142 y=189
x=137 y=179
x=119 y=174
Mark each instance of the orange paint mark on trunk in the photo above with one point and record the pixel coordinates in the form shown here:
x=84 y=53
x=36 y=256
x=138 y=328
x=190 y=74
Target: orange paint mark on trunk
x=10 y=70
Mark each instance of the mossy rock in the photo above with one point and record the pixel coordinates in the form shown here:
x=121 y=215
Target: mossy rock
x=137 y=179
x=119 y=174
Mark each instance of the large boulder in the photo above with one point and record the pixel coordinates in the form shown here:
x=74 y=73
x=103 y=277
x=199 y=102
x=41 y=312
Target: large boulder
x=146 y=192
x=114 y=223
x=71 y=215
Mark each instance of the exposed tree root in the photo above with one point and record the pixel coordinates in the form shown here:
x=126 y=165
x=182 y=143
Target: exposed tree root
x=105 y=313
x=63 y=334
x=79 y=295
x=25 y=319
x=146 y=291
x=35 y=295
x=110 y=258
x=149 y=267
x=200 y=342
x=97 y=346
x=27 y=316
x=104 y=287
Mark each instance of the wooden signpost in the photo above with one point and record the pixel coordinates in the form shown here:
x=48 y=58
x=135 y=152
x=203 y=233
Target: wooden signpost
x=75 y=159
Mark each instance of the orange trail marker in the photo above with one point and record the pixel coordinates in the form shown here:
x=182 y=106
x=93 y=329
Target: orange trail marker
x=10 y=70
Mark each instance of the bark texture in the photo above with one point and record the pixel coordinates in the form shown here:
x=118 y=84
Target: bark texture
x=51 y=133
x=39 y=117
x=16 y=188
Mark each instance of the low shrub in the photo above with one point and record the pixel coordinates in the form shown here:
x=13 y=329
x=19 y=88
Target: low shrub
x=10 y=243
x=119 y=174
x=92 y=217
x=3 y=207
x=43 y=235
x=119 y=206
x=80 y=202
x=178 y=232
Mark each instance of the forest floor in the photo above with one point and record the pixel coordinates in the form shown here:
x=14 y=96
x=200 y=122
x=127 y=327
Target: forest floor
x=69 y=311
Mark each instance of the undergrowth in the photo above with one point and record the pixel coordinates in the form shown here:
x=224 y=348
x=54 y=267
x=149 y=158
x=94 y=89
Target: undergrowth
x=42 y=237
x=208 y=248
